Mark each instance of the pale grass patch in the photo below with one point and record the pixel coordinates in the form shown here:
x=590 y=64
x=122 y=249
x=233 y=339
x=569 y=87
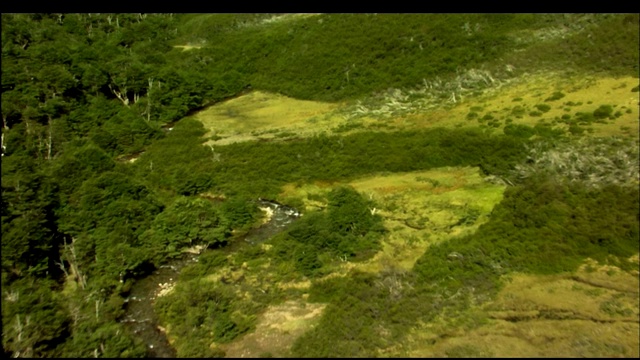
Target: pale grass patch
x=263 y=115
x=187 y=47
x=299 y=285
x=276 y=330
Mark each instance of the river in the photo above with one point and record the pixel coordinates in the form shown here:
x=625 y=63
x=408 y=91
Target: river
x=140 y=316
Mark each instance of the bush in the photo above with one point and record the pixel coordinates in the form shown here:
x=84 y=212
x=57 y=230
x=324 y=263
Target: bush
x=555 y=96
x=543 y=107
x=576 y=130
x=585 y=118
x=603 y=112
x=487 y=117
x=518 y=111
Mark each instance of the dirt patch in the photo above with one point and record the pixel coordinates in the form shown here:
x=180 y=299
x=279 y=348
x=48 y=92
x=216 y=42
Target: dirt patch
x=278 y=327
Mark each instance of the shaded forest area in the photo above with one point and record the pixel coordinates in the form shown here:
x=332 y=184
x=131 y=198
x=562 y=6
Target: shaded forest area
x=82 y=92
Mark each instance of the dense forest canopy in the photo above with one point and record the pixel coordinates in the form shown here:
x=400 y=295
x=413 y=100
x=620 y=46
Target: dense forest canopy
x=82 y=93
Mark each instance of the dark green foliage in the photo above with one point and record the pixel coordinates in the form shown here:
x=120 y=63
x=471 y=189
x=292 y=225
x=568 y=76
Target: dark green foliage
x=346 y=230
x=545 y=130
x=259 y=168
x=29 y=232
x=179 y=161
x=544 y=227
x=240 y=211
x=487 y=117
x=606 y=45
x=349 y=212
x=585 y=118
x=348 y=126
x=367 y=59
x=518 y=130
x=518 y=111
x=603 y=112
x=543 y=107
x=34 y=320
x=187 y=222
x=576 y=130
x=201 y=310
x=555 y=96
x=357 y=305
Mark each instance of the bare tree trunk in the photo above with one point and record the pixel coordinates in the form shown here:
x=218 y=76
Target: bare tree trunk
x=61 y=266
x=149 y=99
x=73 y=262
x=50 y=142
x=122 y=95
x=40 y=144
x=19 y=328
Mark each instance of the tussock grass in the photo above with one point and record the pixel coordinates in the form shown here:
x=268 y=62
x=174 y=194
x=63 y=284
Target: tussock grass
x=570 y=315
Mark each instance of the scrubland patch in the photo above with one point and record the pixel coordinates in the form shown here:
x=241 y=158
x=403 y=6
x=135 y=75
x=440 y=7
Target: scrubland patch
x=592 y=312
x=515 y=102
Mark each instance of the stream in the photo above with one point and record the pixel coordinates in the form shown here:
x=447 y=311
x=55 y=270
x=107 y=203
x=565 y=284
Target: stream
x=140 y=316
